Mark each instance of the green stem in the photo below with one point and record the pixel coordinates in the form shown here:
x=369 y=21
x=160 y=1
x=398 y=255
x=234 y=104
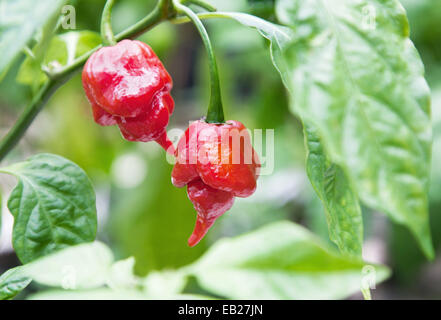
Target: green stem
x=163 y=11
x=106 y=24
x=215 y=113
x=201 y=4
x=205 y=16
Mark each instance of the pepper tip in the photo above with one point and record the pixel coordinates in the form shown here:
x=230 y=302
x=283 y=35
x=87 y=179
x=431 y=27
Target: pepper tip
x=200 y=230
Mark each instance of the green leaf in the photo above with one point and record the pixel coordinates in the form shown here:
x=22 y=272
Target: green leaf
x=53 y=206
x=279 y=36
x=342 y=208
x=83 y=271
x=94 y=294
x=281 y=261
x=164 y=284
x=34 y=60
x=122 y=274
x=19 y=20
x=105 y=294
x=62 y=50
x=12 y=282
x=355 y=75
x=82 y=266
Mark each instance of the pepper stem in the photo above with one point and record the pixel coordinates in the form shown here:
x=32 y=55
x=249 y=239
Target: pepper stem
x=201 y=4
x=106 y=25
x=215 y=113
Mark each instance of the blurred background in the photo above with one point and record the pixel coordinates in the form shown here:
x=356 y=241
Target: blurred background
x=142 y=215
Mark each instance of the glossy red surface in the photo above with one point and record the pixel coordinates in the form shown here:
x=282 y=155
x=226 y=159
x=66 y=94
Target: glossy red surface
x=219 y=160
x=210 y=204
x=127 y=85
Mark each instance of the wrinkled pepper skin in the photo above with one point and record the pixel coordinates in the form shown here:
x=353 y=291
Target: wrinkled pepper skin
x=128 y=86
x=217 y=163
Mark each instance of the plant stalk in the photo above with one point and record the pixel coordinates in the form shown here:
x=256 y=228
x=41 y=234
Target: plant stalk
x=106 y=24
x=215 y=113
x=201 y=4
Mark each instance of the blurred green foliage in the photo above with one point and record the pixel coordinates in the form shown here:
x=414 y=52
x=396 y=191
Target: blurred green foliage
x=153 y=221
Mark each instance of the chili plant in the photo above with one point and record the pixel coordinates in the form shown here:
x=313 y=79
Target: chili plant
x=355 y=82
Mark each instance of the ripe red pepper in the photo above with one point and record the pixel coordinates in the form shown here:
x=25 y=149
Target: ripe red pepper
x=127 y=85
x=217 y=163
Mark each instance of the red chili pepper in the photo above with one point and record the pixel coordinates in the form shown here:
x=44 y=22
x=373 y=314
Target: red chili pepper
x=127 y=85
x=217 y=163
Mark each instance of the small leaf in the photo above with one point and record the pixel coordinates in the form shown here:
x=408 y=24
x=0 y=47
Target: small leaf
x=355 y=75
x=122 y=274
x=281 y=261
x=30 y=72
x=53 y=206
x=62 y=50
x=94 y=294
x=164 y=284
x=81 y=42
x=343 y=212
x=19 y=20
x=105 y=294
x=79 y=267
x=12 y=282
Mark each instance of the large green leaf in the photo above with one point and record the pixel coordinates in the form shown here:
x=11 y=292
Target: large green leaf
x=122 y=275
x=355 y=75
x=106 y=294
x=280 y=261
x=164 y=284
x=94 y=294
x=82 y=266
x=19 y=19
x=12 y=282
x=88 y=271
x=53 y=206
x=343 y=212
